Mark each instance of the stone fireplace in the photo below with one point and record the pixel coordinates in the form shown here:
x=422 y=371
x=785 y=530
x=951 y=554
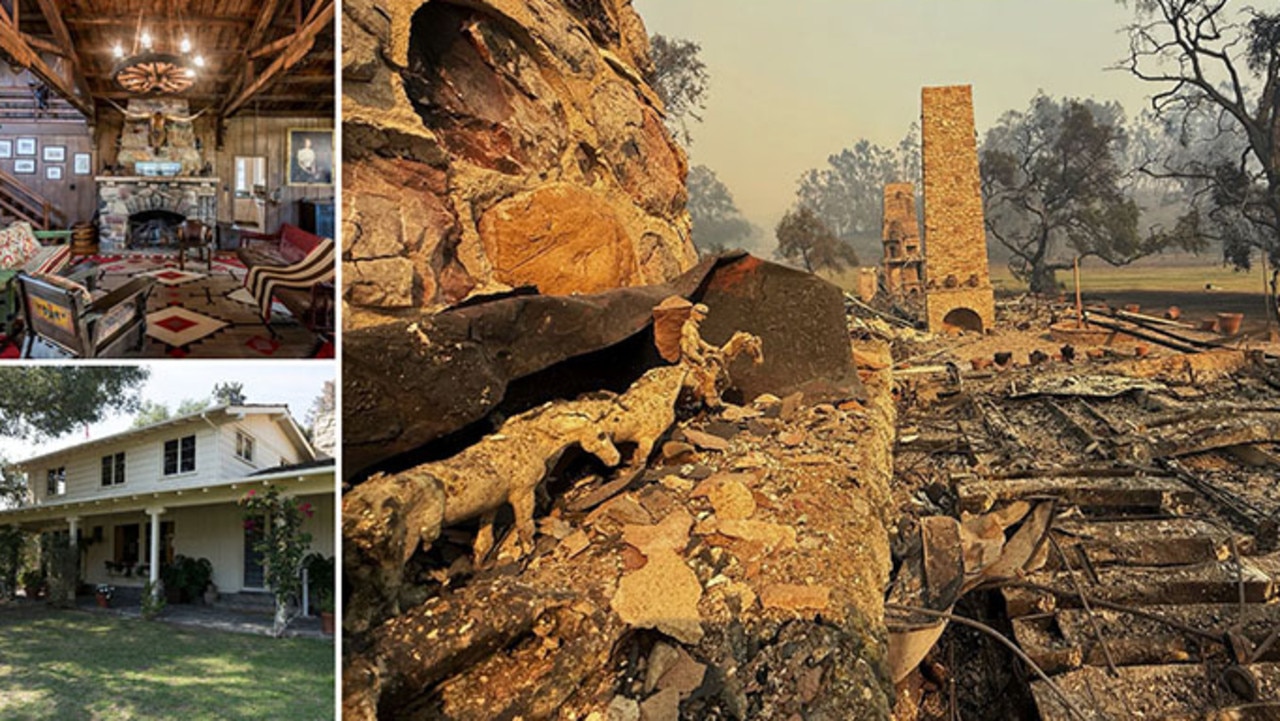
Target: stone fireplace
x=142 y=212
x=162 y=156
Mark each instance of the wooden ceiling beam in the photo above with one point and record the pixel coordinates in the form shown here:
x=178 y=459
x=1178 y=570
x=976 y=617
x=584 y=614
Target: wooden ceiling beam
x=321 y=16
x=265 y=16
x=131 y=21
x=21 y=52
x=62 y=36
x=43 y=45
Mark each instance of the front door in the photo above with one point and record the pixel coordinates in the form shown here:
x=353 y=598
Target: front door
x=253 y=573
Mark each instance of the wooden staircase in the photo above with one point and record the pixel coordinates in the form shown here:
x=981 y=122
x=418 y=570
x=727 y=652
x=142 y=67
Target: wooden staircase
x=20 y=202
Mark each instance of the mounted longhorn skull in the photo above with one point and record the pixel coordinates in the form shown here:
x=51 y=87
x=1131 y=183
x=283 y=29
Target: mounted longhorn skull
x=157 y=123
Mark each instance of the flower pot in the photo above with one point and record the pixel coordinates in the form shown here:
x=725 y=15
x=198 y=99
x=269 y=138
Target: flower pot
x=1173 y=313
x=1229 y=323
x=1132 y=308
x=1141 y=350
x=103 y=600
x=326 y=623
x=32 y=591
x=1209 y=324
x=980 y=364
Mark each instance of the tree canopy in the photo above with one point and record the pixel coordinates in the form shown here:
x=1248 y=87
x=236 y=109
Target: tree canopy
x=848 y=194
x=680 y=78
x=47 y=401
x=717 y=223
x=1053 y=188
x=1217 y=66
x=803 y=236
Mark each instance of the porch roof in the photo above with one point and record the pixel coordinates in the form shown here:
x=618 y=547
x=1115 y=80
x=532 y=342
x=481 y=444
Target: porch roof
x=291 y=480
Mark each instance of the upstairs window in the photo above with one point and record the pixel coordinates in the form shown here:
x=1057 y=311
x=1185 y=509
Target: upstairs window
x=180 y=455
x=113 y=469
x=244 y=446
x=57 y=481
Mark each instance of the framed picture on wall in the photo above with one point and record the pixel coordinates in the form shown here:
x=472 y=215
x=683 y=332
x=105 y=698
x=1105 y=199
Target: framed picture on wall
x=24 y=167
x=26 y=146
x=53 y=172
x=310 y=157
x=82 y=164
x=6 y=148
x=55 y=153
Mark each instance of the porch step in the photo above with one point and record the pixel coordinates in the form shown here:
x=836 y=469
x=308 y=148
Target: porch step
x=1123 y=493
x=246 y=601
x=1169 y=693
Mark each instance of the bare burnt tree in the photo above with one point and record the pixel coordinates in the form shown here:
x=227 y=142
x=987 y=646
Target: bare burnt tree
x=680 y=79
x=1218 y=66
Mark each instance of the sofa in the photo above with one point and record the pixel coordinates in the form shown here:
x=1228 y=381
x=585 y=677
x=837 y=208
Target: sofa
x=296 y=268
x=34 y=252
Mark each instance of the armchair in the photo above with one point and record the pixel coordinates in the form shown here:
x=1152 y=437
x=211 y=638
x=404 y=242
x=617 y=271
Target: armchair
x=65 y=316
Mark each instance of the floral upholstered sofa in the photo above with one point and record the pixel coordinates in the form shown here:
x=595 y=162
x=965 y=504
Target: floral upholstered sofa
x=24 y=250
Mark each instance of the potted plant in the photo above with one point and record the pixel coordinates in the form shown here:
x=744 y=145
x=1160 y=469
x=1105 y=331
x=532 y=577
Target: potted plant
x=104 y=594
x=324 y=602
x=210 y=594
x=32 y=580
x=320 y=571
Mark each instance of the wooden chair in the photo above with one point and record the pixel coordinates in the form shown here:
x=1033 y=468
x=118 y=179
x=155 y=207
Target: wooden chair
x=194 y=235
x=66 y=318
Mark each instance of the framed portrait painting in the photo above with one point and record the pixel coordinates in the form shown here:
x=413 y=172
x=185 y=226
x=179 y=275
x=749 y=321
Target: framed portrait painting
x=82 y=163
x=310 y=157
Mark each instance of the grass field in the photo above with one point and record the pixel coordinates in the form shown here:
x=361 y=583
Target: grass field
x=75 y=666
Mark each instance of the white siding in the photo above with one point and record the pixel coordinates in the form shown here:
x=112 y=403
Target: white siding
x=271 y=444
x=215 y=532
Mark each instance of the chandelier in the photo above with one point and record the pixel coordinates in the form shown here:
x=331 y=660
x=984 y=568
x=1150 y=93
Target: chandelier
x=148 y=71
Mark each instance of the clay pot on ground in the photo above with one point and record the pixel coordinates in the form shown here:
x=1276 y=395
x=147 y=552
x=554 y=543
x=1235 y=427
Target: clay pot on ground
x=1141 y=350
x=980 y=364
x=326 y=623
x=1095 y=353
x=1209 y=324
x=1004 y=358
x=1132 y=308
x=1173 y=313
x=103 y=600
x=1229 y=323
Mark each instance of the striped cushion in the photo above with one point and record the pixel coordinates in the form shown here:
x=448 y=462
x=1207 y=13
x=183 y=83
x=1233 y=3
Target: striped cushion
x=316 y=267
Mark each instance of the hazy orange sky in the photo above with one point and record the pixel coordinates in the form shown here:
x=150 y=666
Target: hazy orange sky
x=794 y=82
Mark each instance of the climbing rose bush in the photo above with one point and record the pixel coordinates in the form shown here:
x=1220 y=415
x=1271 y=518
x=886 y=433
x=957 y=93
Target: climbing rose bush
x=282 y=542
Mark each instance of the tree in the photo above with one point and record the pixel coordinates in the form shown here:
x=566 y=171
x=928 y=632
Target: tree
x=1218 y=68
x=47 y=401
x=717 y=223
x=848 y=194
x=680 y=78
x=277 y=521
x=321 y=421
x=802 y=235
x=228 y=394
x=151 y=412
x=1052 y=181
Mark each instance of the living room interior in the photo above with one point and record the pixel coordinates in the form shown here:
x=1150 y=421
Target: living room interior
x=166 y=179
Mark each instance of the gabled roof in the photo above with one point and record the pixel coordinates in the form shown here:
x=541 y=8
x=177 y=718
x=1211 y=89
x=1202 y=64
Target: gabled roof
x=212 y=415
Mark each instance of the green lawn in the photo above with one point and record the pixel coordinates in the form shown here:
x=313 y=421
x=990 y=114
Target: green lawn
x=71 y=665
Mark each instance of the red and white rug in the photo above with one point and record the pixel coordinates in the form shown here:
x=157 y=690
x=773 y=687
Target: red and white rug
x=178 y=326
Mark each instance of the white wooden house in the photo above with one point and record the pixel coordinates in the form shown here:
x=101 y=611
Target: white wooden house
x=145 y=495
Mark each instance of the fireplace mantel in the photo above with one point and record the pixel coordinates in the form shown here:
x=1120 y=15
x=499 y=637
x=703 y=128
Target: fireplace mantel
x=120 y=196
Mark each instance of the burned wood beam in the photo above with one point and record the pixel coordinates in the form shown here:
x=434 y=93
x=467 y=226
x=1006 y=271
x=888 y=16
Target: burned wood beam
x=62 y=37
x=1091 y=442
x=1239 y=509
x=303 y=40
x=18 y=50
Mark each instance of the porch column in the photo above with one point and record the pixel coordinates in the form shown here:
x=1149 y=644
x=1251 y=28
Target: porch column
x=74 y=522
x=153 y=553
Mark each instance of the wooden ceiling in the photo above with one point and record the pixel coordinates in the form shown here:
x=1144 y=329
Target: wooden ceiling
x=271 y=57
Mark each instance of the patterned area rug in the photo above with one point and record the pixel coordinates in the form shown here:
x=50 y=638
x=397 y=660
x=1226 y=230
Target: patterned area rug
x=199 y=313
